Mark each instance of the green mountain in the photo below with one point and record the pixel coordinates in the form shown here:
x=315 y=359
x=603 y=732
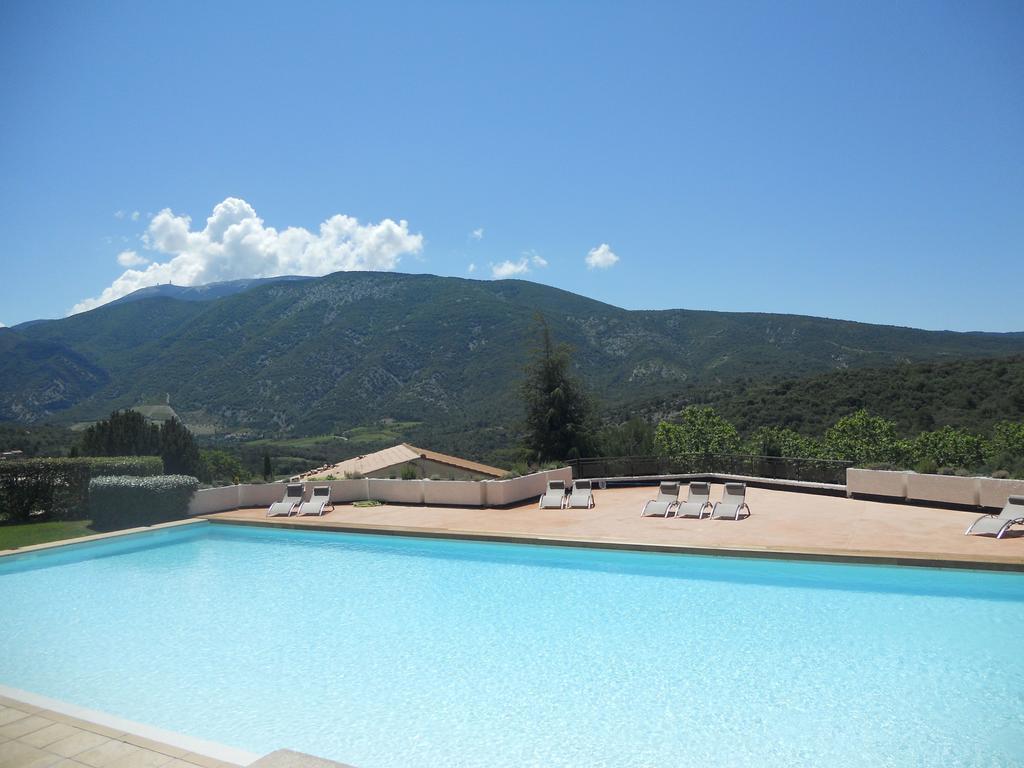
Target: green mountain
x=969 y=394
x=323 y=355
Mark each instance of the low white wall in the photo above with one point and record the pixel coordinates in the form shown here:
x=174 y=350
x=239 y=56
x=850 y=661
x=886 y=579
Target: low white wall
x=993 y=492
x=463 y=493
x=943 y=488
x=502 y=492
x=466 y=493
x=397 y=491
x=210 y=500
x=343 y=490
x=872 y=482
x=262 y=495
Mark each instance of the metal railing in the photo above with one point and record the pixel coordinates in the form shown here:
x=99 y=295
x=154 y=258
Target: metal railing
x=775 y=467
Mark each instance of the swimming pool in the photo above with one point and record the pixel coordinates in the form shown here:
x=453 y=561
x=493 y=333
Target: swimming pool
x=387 y=652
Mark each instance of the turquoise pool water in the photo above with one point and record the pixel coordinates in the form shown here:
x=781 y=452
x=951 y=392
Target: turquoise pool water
x=392 y=652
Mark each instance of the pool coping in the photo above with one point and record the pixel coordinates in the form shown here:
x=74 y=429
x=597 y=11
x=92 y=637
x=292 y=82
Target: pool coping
x=993 y=563
x=108 y=724
x=97 y=537
x=1012 y=564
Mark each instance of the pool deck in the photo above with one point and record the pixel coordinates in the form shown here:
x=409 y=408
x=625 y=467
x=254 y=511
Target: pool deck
x=36 y=737
x=783 y=524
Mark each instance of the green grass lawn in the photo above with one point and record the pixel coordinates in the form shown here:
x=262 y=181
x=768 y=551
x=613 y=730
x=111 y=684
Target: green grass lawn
x=24 y=534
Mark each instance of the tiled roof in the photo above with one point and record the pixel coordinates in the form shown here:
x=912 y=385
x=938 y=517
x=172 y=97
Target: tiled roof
x=400 y=454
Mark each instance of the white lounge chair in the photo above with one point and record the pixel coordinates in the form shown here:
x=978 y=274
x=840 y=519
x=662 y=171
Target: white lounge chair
x=318 y=502
x=665 y=504
x=554 y=497
x=292 y=498
x=582 y=496
x=1012 y=514
x=698 y=501
x=733 y=500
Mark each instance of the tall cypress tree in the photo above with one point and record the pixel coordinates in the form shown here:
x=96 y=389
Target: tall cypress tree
x=559 y=413
x=125 y=433
x=178 y=449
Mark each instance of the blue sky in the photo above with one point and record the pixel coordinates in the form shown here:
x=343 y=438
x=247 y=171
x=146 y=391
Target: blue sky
x=852 y=160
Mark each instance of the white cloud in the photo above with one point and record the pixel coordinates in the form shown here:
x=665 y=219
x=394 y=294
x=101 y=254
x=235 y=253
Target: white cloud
x=471 y=268
x=520 y=267
x=235 y=243
x=131 y=259
x=135 y=215
x=510 y=268
x=3 y=325
x=477 y=234
x=601 y=257
x=119 y=214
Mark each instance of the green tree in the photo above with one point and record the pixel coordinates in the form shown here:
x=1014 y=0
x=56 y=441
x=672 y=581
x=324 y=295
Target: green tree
x=949 y=447
x=699 y=430
x=559 y=413
x=633 y=438
x=268 y=468
x=1007 y=445
x=779 y=441
x=178 y=449
x=220 y=466
x=124 y=433
x=865 y=439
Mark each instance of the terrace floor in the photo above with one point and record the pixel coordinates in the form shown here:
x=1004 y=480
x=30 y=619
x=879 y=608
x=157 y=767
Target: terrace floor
x=32 y=737
x=782 y=523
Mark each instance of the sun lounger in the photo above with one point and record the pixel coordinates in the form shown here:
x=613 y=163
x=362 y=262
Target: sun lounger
x=1012 y=514
x=733 y=500
x=582 y=496
x=318 y=502
x=554 y=497
x=285 y=507
x=698 y=501
x=665 y=504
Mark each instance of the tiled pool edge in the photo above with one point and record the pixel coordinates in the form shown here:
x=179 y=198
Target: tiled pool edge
x=107 y=724
x=823 y=555
x=98 y=537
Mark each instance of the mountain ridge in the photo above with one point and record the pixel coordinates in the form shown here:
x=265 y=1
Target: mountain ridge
x=332 y=352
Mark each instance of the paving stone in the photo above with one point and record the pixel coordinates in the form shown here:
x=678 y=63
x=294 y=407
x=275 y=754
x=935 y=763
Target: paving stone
x=14 y=754
x=10 y=714
x=206 y=762
x=24 y=725
x=77 y=743
x=46 y=736
x=154 y=746
x=104 y=754
x=143 y=758
x=287 y=758
x=14 y=703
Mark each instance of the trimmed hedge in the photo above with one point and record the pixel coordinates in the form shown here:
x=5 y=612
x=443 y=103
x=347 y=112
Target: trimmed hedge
x=60 y=487
x=126 y=501
x=137 y=466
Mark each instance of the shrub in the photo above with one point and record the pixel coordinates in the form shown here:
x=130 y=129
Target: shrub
x=137 y=466
x=126 y=502
x=700 y=430
x=59 y=487
x=865 y=439
x=949 y=447
x=409 y=472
